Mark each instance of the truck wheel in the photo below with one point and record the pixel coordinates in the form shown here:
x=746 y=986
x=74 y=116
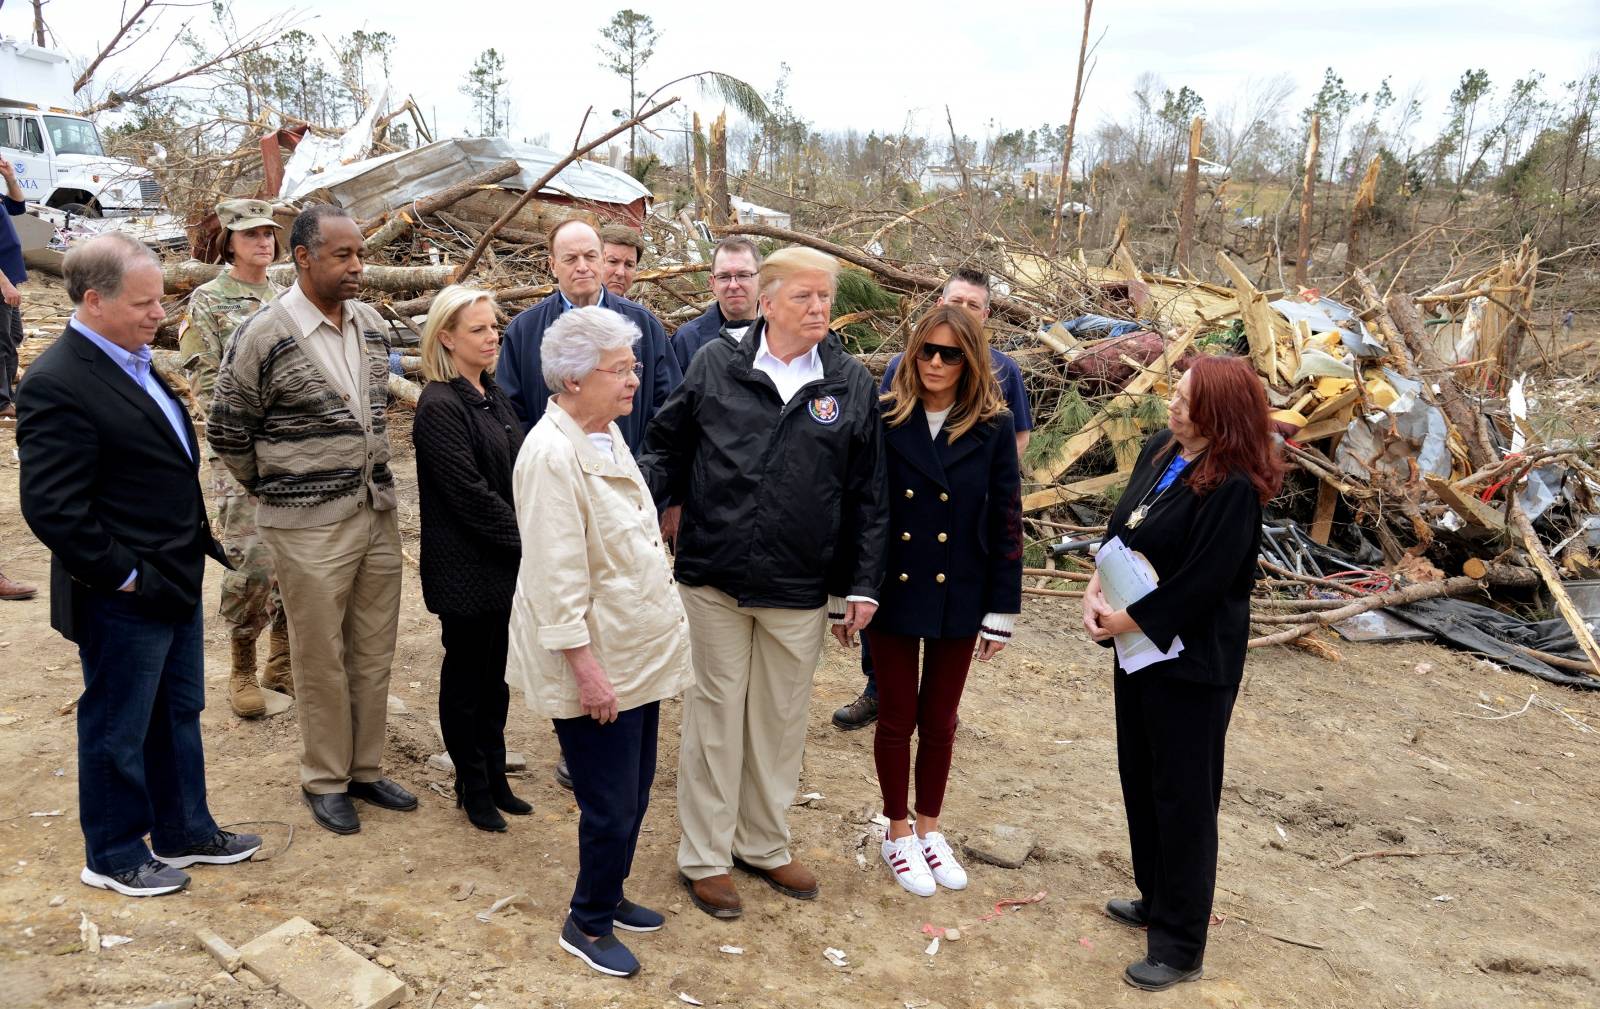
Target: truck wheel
x=79 y=210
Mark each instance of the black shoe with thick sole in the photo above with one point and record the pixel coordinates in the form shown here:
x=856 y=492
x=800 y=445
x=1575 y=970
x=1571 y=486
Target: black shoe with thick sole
x=224 y=848
x=333 y=811
x=858 y=714
x=1153 y=975
x=384 y=793
x=1127 y=912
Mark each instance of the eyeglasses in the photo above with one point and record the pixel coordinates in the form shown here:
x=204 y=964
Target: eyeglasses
x=742 y=277
x=949 y=355
x=637 y=371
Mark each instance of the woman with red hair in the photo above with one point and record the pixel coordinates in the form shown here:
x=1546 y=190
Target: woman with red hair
x=1193 y=509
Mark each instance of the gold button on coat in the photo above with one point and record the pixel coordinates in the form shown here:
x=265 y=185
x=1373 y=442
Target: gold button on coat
x=943 y=496
x=910 y=493
x=943 y=537
x=939 y=578
x=905 y=577
x=905 y=536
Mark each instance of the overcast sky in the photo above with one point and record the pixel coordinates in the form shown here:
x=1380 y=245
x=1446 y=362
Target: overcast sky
x=870 y=66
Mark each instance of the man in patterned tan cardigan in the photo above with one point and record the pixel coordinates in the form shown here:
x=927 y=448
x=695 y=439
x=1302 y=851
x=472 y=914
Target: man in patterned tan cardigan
x=298 y=417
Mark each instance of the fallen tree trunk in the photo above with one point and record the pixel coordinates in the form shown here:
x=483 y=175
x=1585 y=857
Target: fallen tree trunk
x=181 y=278
x=420 y=306
x=1433 y=368
x=1397 y=597
x=1000 y=305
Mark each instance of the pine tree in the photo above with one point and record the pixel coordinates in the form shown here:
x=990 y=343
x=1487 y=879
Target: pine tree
x=486 y=84
x=630 y=40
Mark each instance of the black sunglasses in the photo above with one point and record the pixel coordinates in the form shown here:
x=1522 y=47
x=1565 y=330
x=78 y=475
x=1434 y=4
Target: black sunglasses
x=949 y=355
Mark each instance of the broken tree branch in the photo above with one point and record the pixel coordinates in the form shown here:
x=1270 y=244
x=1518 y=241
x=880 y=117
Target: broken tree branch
x=1392 y=853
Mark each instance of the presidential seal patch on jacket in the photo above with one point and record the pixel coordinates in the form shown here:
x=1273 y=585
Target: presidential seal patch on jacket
x=824 y=409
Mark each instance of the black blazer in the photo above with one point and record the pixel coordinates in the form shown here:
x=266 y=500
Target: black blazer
x=107 y=486
x=467 y=446
x=1204 y=552
x=955 y=529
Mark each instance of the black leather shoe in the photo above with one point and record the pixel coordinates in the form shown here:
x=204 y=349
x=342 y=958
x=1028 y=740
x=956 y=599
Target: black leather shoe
x=383 y=792
x=858 y=714
x=334 y=811
x=1127 y=912
x=563 y=776
x=1152 y=975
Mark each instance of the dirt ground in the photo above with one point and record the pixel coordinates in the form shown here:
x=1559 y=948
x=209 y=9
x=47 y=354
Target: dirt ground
x=1394 y=747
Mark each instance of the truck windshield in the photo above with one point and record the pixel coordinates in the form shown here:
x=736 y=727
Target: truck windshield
x=73 y=136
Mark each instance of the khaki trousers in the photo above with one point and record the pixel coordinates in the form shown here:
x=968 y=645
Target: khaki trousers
x=744 y=729
x=341 y=593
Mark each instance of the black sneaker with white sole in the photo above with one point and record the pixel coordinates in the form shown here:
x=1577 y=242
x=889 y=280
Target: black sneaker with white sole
x=224 y=848
x=152 y=879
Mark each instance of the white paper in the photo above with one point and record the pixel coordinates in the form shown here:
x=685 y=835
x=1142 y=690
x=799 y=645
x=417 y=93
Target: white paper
x=1125 y=578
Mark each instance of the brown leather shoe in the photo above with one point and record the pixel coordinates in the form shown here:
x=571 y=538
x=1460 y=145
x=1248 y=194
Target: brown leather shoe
x=15 y=591
x=792 y=880
x=714 y=895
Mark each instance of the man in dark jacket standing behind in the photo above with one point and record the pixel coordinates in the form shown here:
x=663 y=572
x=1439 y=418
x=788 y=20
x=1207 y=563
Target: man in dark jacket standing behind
x=575 y=259
x=774 y=448
x=110 y=483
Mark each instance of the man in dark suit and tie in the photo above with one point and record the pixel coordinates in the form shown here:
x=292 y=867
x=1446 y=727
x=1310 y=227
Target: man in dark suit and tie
x=110 y=484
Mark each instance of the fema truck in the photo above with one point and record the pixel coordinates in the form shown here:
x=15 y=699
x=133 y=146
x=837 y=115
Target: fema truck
x=57 y=153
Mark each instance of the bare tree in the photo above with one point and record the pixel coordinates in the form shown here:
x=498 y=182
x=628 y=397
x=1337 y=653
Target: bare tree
x=1072 y=124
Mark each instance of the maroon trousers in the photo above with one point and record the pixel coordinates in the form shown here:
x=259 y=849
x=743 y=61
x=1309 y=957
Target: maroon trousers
x=925 y=704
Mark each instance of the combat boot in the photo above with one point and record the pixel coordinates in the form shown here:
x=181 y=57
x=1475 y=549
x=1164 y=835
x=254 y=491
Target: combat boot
x=243 y=694
x=278 y=675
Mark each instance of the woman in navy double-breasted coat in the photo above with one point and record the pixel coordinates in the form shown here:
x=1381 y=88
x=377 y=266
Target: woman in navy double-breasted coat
x=953 y=581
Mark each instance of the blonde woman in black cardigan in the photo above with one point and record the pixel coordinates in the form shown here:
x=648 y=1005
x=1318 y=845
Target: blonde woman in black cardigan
x=467 y=436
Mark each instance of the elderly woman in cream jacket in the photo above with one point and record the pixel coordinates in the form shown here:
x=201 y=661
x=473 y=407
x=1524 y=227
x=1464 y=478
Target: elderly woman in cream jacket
x=598 y=634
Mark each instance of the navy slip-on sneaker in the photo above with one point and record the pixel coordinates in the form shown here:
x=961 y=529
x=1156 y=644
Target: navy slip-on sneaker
x=224 y=848
x=632 y=917
x=605 y=954
x=152 y=879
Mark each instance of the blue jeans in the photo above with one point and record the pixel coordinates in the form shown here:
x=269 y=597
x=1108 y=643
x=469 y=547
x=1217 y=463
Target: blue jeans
x=141 y=769
x=612 y=769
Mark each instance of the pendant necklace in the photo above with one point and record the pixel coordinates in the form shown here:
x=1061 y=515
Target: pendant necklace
x=1143 y=509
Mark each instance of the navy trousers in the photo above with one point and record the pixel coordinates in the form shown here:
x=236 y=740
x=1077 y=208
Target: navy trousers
x=867 y=669
x=612 y=769
x=1171 y=736
x=141 y=769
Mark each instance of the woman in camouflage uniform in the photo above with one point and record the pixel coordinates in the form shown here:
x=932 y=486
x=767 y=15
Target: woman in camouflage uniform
x=250 y=599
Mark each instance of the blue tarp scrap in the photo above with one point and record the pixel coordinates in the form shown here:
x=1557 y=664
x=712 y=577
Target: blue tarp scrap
x=1092 y=327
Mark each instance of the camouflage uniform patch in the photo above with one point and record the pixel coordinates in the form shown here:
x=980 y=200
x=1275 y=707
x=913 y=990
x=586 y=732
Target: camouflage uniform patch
x=250 y=599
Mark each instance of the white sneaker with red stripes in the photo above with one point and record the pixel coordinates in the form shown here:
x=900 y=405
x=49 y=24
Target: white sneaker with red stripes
x=942 y=862
x=904 y=858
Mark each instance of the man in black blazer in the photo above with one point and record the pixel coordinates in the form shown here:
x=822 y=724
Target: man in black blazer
x=110 y=484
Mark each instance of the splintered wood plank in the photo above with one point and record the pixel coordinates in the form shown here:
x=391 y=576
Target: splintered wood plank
x=1465 y=504
x=1071 y=492
x=1258 y=317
